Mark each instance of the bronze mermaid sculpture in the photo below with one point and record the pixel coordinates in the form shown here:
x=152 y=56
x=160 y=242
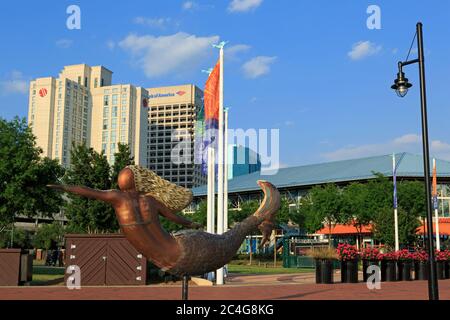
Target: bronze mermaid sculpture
x=143 y=196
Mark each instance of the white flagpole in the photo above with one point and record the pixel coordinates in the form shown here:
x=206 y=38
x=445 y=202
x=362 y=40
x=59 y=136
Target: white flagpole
x=397 y=246
x=225 y=182
x=220 y=195
x=436 y=215
x=211 y=196
x=225 y=186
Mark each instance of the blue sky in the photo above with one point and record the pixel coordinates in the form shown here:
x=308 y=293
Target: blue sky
x=310 y=68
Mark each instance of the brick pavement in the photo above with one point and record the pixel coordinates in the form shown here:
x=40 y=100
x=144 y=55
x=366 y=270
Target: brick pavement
x=253 y=288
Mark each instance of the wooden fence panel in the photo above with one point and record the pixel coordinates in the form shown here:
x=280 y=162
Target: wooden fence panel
x=105 y=259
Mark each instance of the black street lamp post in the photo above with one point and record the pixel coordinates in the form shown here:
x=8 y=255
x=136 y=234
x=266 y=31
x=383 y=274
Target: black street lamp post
x=401 y=86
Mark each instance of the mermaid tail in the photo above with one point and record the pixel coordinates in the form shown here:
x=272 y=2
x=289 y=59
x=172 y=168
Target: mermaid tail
x=203 y=252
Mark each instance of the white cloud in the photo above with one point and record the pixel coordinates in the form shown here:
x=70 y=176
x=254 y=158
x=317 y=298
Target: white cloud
x=363 y=49
x=232 y=52
x=289 y=123
x=189 y=5
x=243 y=5
x=407 y=139
x=258 y=66
x=110 y=44
x=153 y=22
x=406 y=143
x=162 y=55
x=64 y=43
x=15 y=83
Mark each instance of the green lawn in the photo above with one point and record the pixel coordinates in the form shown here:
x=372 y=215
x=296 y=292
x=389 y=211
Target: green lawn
x=256 y=269
x=42 y=279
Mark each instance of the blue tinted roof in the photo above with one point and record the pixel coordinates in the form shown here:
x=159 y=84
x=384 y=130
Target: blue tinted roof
x=409 y=165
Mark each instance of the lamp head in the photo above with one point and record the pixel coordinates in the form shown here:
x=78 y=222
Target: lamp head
x=401 y=84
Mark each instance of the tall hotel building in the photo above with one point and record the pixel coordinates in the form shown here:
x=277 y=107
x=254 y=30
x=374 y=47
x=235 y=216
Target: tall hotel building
x=83 y=106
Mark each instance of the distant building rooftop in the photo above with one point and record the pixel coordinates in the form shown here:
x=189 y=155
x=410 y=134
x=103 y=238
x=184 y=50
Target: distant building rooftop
x=409 y=166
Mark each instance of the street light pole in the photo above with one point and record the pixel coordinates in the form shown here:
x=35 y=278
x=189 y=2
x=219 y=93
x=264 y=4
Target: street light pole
x=401 y=86
x=433 y=290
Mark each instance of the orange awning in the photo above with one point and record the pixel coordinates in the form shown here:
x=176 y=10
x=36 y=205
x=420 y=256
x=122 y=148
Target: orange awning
x=444 y=227
x=341 y=229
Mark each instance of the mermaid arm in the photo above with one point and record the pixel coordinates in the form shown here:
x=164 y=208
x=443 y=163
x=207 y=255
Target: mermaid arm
x=109 y=196
x=168 y=214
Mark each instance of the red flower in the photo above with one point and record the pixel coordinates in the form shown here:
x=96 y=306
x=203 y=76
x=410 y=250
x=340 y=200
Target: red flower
x=441 y=255
x=347 y=252
x=370 y=253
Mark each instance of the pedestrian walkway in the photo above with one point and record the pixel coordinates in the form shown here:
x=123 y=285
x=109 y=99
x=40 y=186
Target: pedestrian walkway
x=285 y=287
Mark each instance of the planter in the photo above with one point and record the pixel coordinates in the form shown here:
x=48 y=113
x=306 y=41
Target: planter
x=324 y=271
x=349 y=271
x=366 y=265
x=421 y=270
x=405 y=268
x=440 y=269
x=388 y=270
x=447 y=269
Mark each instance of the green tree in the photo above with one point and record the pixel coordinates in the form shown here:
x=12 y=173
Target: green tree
x=200 y=215
x=91 y=169
x=290 y=213
x=246 y=209
x=48 y=233
x=327 y=205
x=411 y=197
x=411 y=205
x=354 y=207
x=20 y=238
x=24 y=174
x=122 y=158
x=407 y=227
x=379 y=194
x=312 y=222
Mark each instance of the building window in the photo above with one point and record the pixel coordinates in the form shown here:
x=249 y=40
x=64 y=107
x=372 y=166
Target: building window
x=106 y=100
x=102 y=82
x=105 y=124
x=114 y=99
x=105 y=112
x=79 y=80
x=114 y=111
x=113 y=124
x=95 y=82
x=85 y=81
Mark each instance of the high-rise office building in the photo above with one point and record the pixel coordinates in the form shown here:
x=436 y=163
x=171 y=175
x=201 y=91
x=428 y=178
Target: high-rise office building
x=82 y=105
x=172 y=114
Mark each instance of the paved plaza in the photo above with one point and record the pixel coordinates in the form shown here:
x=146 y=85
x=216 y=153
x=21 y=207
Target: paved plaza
x=238 y=287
